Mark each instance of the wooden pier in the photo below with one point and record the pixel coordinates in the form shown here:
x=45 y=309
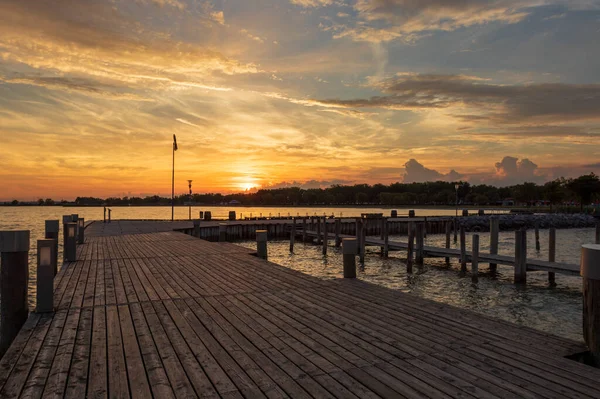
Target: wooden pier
x=163 y=314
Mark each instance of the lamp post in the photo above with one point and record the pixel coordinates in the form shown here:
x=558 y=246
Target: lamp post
x=190 y=199
x=456 y=186
x=173 y=180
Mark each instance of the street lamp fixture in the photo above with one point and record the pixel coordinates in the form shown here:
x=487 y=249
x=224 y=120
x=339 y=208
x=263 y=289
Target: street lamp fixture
x=190 y=199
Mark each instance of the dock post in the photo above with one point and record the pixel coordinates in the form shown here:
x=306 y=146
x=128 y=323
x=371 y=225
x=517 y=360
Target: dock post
x=410 y=251
x=52 y=228
x=109 y=212
x=447 y=241
x=590 y=273
x=420 y=241
x=494 y=232
x=338 y=229
x=411 y=213
x=349 y=256
x=425 y=227
x=520 y=257
x=386 y=238
x=463 y=250
x=45 y=276
x=318 y=230
x=104 y=219
x=537 y=236
x=80 y=231
x=70 y=244
x=455 y=230
x=261 y=243
x=475 y=259
x=293 y=235
x=65 y=219
x=363 y=238
x=552 y=254
x=325 y=239
x=14 y=280
x=197 y=228
x=303 y=229
x=357 y=234
x=222 y=232
x=382 y=223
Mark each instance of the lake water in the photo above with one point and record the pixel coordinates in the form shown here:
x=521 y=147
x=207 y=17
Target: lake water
x=552 y=309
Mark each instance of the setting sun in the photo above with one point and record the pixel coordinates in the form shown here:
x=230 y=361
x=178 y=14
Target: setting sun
x=247 y=186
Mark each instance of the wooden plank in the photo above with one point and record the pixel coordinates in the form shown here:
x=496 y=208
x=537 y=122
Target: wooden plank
x=98 y=374
x=136 y=373
x=78 y=372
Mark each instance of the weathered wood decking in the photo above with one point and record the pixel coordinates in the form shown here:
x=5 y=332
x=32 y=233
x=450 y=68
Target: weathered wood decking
x=167 y=315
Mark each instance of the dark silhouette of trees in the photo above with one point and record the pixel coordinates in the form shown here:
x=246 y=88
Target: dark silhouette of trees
x=585 y=188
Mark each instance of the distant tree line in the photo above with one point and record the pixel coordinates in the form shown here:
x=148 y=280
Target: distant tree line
x=582 y=191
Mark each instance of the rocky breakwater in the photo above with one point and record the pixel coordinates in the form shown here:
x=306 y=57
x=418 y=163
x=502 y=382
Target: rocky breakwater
x=544 y=221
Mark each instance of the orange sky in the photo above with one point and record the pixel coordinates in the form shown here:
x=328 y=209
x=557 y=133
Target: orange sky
x=266 y=93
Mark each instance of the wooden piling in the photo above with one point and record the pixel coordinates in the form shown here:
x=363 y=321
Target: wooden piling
x=261 y=243
x=45 y=276
x=386 y=238
x=494 y=234
x=14 y=280
x=222 y=232
x=51 y=231
x=382 y=222
x=325 y=238
x=104 y=219
x=303 y=229
x=447 y=241
x=80 y=231
x=349 y=257
x=318 y=231
x=463 y=250
x=363 y=234
x=590 y=273
x=420 y=241
x=455 y=230
x=425 y=227
x=520 y=256
x=475 y=259
x=292 y=235
x=410 y=251
x=109 y=214
x=70 y=244
x=552 y=253
x=338 y=229
x=357 y=223
x=537 y=236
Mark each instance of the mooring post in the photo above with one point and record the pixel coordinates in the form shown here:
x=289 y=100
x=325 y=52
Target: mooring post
x=349 y=257
x=104 y=219
x=293 y=235
x=475 y=259
x=520 y=257
x=80 y=231
x=386 y=239
x=419 y=247
x=447 y=241
x=303 y=229
x=463 y=250
x=552 y=253
x=590 y=272
x=425 y=227
x=325 y=238
x=318 y=231
x=52 y=228
x=14 y=280
x=261 y=243
x=222 y=232
x=537 y=236
x=338 y=230
x=382 y=223
x=109 y=212
x=45 y=276
x=410 y=251
x=494 y=234
x=363 y=239
x=455 y=230
x=70 y=244
x=357 y=225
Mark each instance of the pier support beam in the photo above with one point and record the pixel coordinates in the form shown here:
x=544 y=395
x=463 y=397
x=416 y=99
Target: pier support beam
x=292 y=235
x=45 y=276
x=420 y=240
x=261 y=243
x=463 y=250
x=475 y=259
x=51 y=231
x=537 y=236
x=349 y=257
x=303 y=229
x=14 y=279
x=454 y=224
x=363 y=236
x=552 y=254
x=222 y=232
x=520 y=256
x=590 y=272
x=411 y=247
x=386 y=238
x=70 y=244
x=325 y=238
x=338 y=230
x=358 y=223
x=494 y=233
x=318 y=231
x=447 y=241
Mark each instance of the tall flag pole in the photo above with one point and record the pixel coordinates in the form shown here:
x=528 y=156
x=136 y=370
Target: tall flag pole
x=190 y=199
x=173 y=180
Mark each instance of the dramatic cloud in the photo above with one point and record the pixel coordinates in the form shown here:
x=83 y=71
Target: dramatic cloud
x=513 y=171
x=542 y=102
x=416 y=172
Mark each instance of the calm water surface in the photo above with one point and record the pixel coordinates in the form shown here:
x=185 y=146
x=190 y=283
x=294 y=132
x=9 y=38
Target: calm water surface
x=553 y=309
